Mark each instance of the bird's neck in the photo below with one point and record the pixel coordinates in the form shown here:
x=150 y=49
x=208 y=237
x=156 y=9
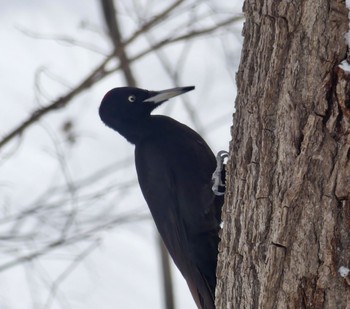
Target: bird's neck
x=135 y=130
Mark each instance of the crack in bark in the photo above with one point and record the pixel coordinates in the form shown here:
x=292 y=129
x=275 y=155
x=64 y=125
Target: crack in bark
x=279 y=245
x=299 y=142
x=330 y=93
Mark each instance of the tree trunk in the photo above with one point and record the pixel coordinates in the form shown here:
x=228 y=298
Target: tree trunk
x=285 y=241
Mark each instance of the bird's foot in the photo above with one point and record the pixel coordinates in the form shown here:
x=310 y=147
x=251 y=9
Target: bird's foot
x=218 y=177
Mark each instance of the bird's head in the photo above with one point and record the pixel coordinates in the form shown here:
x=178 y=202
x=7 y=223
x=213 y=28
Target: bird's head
x=128 y=104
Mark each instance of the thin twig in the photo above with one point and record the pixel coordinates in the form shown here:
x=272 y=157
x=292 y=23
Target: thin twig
x=87 y=234
x=75 y=263
x=61 y=39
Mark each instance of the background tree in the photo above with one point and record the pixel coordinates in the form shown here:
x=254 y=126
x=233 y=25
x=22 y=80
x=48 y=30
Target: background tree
x=286 y=236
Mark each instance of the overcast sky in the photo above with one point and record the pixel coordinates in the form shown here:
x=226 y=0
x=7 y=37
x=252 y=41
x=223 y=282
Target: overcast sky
x=119 y=264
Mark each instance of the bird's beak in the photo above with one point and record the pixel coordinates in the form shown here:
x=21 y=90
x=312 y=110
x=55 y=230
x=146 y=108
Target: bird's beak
x=161 y=96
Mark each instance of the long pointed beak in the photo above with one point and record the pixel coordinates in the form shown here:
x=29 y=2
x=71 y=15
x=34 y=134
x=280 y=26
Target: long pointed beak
x=164 y=95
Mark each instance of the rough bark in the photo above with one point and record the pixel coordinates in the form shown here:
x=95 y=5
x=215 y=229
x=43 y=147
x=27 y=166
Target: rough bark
x=287 y=211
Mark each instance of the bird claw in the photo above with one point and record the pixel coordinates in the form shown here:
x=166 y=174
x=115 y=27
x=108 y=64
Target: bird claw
x=218 y=185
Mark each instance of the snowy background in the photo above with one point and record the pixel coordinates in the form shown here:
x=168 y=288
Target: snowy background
x=75 y=231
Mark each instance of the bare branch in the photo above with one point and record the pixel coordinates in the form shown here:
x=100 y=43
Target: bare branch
x=61 y=39
x=75 y=263
x=96 y=75
x=110 y=16
x=168 y=41
x=84 y=235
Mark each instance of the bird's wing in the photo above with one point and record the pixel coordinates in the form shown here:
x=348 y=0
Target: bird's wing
x=181 y=204
x=157 y=183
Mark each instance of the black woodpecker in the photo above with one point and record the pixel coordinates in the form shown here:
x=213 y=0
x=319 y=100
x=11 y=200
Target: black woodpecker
x=174 y=167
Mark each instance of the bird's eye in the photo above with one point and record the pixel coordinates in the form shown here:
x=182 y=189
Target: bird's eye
x=131 y=98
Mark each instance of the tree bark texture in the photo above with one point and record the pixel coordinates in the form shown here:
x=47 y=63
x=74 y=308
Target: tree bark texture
x=287 y=211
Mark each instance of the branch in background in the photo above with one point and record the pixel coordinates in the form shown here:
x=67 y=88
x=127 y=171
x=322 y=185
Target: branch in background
x=61 y=39
x=110 y=16
x=100 y=72
x=168 y=41
x=89 y=234
x=167 y=277
x=96 y=75
x=75 y=263
x=173 y=74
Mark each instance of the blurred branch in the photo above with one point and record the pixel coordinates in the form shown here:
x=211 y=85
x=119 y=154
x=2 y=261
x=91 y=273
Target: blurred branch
x=167 y=277
x=60 y=39
x=110 y=16
x=75 y=263
x=101 y=72
x=98 y=73
x=43 y=203
x=191 y=35
x=73 y=239
x=68 y=179
x=174 y=77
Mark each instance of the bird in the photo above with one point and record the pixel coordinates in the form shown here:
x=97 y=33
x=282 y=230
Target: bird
x=174 y=167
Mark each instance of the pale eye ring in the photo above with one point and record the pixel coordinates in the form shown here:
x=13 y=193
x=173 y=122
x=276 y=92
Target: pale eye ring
x=131 y=98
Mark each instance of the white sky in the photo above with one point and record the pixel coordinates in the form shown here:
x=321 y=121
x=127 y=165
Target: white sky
x=122 y=272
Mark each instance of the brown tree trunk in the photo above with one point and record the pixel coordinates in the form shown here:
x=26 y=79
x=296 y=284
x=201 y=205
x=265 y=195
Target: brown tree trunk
x=286 y=236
